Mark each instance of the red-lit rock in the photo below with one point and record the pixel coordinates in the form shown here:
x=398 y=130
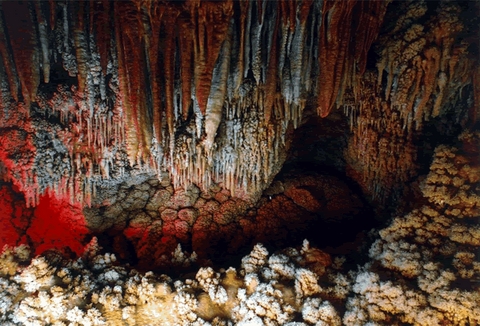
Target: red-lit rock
x=52 y=224
x=57 y=224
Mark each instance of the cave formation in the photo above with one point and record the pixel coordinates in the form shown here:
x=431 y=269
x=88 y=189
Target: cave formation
x=222 y=124
x=139 y=126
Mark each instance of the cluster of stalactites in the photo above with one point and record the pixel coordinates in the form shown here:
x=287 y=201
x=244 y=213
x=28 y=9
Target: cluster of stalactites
x=427 y=65
x=223 y=82
x=199 y=58
x=349 y=29
x=203 y=90
x=381 y=151
x=44 y=48
x=423 y=70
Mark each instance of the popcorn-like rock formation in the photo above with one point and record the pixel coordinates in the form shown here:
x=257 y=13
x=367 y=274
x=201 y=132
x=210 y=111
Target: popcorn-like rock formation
x=428 y=260
x=95 y=290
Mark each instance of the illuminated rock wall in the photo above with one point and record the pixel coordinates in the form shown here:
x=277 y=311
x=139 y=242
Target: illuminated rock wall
x=207 y=92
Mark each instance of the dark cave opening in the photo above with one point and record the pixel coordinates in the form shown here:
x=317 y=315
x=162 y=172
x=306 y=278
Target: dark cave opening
x=310 y=198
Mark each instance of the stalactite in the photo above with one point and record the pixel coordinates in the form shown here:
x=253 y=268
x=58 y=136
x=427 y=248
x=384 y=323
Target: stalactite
x=272 y=73
x=296 y=52
x=43 y=40
x=240 y=68
x=217 y=96
x=431 y=67
x=371 y=15
x=212 y=22
x=8 y=65
x=53 y=11
x=152 y=46
x=186 y=36
x=338 y=54
x=81 y=46
x=474 y=111
x=132 y=81
x=417 y=78
x=169 y=21
x=255 y=43
x=334 y=41
x=18 y=19
x=289 y=13
x=199 y=56
x=100 y=26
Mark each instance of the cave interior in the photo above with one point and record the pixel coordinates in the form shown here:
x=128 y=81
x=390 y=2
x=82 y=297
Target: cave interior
x=218 y=125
